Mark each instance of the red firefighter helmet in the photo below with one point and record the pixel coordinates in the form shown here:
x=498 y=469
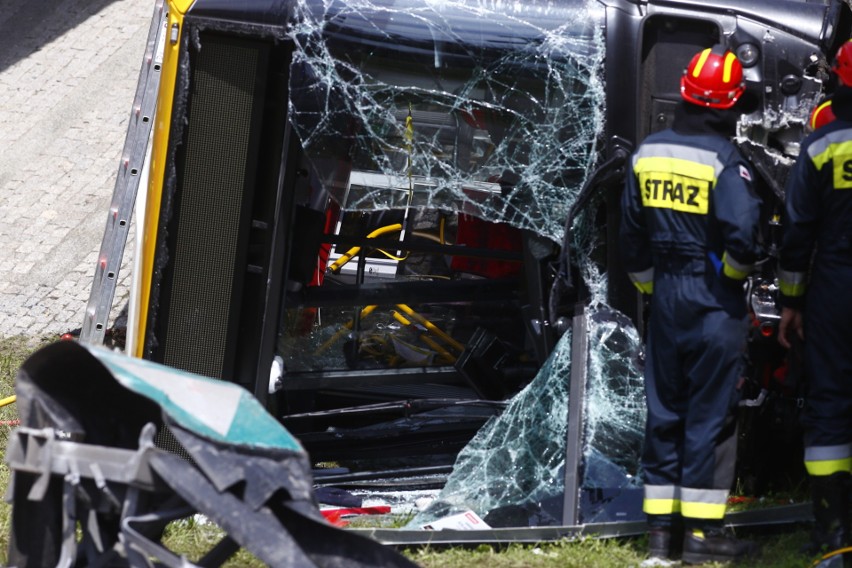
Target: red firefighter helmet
x=843 y=63
x=714 y=78
x=821 y=115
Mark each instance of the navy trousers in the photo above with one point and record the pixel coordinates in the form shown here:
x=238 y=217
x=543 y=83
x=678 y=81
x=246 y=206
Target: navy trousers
x=827 y=418
x=694 y=361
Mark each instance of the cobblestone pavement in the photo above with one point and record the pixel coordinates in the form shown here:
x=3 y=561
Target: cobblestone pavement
x=68 y=74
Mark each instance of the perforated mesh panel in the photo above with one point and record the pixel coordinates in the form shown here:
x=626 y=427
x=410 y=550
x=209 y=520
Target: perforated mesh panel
x=211 y=194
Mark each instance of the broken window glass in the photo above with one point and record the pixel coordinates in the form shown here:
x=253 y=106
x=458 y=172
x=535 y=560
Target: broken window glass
x=513 y=472
x=456 y=123
x=431 y=121
x=465 y=107
x=437 y=123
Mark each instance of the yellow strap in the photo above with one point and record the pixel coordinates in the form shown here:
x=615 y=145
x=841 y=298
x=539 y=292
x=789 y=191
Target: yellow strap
x=837 y=552
x=392 y=256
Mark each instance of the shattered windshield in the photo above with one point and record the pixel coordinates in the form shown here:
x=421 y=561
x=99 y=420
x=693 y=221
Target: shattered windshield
x=487 y=111
x=481 y=108
x=444 y=121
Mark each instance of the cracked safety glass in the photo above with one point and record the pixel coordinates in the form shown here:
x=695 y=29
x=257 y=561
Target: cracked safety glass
x=513 y=472
x=445 y=141
x=431 y=133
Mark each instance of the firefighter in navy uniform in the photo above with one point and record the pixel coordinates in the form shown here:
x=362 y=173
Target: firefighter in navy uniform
x=815 y=280
x=689 y=238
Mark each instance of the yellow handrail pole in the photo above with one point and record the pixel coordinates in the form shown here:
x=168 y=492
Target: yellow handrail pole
x=429 y=236
x=424 y=338
x=431 y=327
x=342 y=331
x=8 y=400
x=347 y=256
x=434 y=345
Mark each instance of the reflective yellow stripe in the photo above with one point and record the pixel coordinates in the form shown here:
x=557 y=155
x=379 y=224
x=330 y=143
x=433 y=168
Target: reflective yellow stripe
x=828 y=467
x=792 y=290
x=818 y=110
x=729 y=65
x=694 y=510
x=703 y=503
x=732 y=273
x=660 y=506
x=644 y=280
x=734 y=269
x=677 y=166
x=792 y=284
x=675 y=183
x=644 y=287
x=841 y=156
x=701 y=61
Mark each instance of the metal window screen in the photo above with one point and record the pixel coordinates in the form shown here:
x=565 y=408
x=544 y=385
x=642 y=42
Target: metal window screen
x=211 y=194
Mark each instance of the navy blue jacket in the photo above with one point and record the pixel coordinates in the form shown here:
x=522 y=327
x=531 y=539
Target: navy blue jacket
x=818 y=211
x=689 y=196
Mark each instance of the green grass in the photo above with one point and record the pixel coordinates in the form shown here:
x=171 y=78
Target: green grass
x=13 y=352
x=778 y=551
x=193 y=538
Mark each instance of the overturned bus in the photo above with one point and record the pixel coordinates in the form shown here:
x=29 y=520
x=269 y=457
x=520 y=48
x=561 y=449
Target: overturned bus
x=394 y=224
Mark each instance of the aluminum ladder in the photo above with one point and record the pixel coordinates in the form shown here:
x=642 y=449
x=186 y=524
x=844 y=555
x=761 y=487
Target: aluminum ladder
x=126 y=183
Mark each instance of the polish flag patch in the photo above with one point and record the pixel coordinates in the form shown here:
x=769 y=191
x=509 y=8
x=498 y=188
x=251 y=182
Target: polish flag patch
x=744 y=173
